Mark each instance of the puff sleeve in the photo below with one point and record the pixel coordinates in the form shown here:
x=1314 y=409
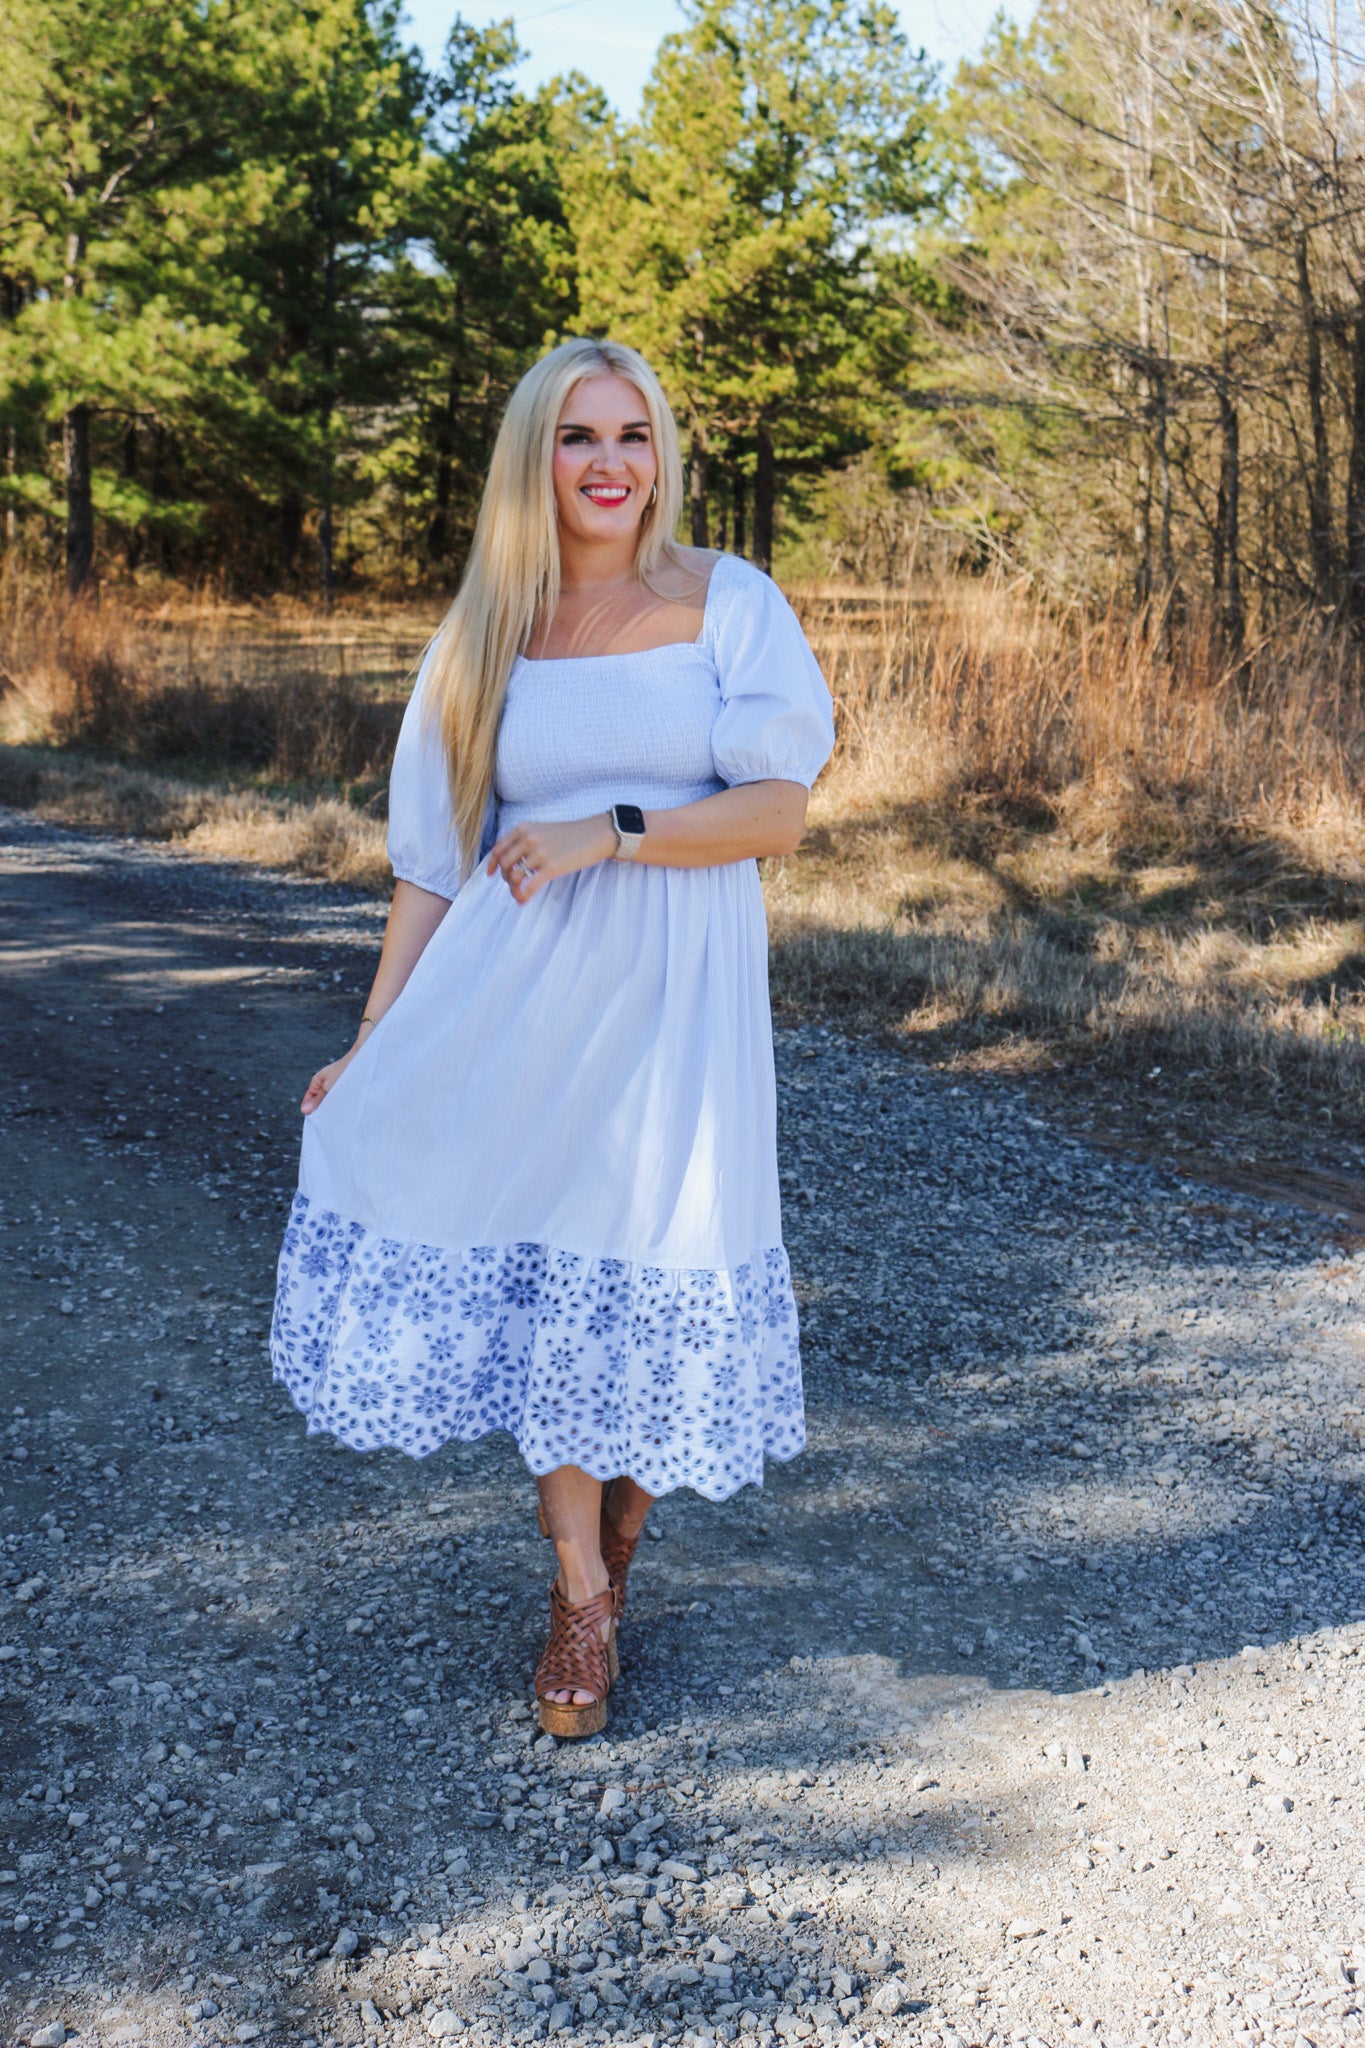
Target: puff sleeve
x=421 y=841
x=776 y=719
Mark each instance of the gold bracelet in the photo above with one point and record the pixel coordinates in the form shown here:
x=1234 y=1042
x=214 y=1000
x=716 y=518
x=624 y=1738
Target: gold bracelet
x=367 y=1019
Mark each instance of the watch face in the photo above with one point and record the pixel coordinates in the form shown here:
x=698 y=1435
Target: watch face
x=629 y=818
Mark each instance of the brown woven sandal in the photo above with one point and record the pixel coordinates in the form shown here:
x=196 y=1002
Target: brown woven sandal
x=617 y=1552
x=575 y=1660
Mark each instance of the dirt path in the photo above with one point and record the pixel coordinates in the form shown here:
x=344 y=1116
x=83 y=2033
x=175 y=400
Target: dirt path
x=1027 y=1707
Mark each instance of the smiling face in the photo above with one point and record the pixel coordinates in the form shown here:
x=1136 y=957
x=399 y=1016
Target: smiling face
x=604 y=461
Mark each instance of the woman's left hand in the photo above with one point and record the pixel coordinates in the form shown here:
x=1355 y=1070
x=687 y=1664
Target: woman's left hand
x=529 y=856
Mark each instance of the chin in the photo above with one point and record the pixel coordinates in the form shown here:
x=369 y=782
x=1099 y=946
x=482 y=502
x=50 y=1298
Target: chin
x=611 y=526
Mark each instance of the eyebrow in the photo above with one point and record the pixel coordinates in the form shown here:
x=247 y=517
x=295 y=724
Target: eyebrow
x=573 y=427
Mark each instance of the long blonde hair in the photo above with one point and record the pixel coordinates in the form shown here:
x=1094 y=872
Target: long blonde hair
x=511 y=579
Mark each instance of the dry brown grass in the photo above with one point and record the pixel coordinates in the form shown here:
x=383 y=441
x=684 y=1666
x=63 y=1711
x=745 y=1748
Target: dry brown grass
x=250 y=734
x=1057 y=845
x=1048 y=844
x=266 y=691
x=260 y=734
x=312 y=836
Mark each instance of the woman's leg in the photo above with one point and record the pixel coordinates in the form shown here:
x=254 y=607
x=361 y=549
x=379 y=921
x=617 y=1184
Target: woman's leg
x=627 y=1507
x=572 y=1501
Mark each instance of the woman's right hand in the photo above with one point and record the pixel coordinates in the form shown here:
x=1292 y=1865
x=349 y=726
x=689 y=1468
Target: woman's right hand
x=326 y=1078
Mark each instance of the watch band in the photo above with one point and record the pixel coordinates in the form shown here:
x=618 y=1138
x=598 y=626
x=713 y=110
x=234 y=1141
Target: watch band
x=628 y=823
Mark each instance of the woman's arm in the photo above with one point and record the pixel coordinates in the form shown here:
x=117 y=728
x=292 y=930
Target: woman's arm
x=413 y=916
x=736 y=824
x=754 y=819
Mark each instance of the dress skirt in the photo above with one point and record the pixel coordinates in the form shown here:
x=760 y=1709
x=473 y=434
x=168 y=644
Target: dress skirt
x=543 y=1196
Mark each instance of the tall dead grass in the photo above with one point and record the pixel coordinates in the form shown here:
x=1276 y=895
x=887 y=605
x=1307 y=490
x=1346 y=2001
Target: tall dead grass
x=259 y=734
x=161 y=686
x=1047 y=840
x=981 y=695
x=318 y=835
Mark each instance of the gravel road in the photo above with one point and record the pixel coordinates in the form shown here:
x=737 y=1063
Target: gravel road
x=1026 y=1708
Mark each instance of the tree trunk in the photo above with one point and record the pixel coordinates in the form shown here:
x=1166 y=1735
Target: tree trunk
x=1227 y=539
x=291 y=530
x=1163 y=447
x=1319 y=481
x=1355 y=473
x=697 y=466
x=326 y=566
x=739 y=485
x=12 y=299
x=326 y=563
x=765 y=492
x=132 y=539
x=11 y=469
x=438 y=526
x=160 y=484
x=80 y=509
x=1139 y=212
x=1142 y=509
x=438 y=529
x=1163 y=466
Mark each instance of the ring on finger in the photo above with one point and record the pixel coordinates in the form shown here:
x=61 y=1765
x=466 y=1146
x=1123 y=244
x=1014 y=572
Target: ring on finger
x=523 y=866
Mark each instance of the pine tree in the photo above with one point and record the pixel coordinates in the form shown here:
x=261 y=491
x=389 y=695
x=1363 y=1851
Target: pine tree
x=779 y=138
x=107 y=116
x=337 y=157
x=488 y=282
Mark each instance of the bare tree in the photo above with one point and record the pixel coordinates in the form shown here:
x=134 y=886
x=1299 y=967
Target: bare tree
x=1166 y=263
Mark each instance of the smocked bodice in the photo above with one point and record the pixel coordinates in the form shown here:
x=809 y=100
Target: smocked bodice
x=579 y=734
x=745 y=702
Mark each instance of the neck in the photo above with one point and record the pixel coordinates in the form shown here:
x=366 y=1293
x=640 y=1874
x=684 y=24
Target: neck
x=586 y=565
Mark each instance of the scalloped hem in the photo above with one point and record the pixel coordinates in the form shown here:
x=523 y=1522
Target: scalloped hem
x=648 y=1480
x=673 y=1377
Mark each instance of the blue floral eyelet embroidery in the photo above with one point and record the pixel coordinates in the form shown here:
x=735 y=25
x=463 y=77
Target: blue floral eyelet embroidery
x=677 y=1378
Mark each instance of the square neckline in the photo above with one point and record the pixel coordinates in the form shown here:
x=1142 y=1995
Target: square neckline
x=639 y=653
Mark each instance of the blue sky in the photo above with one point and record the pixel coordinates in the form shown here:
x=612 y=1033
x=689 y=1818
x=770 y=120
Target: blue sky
x=613 y=41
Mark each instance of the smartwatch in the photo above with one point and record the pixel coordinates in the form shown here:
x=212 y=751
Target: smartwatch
x=628 y=823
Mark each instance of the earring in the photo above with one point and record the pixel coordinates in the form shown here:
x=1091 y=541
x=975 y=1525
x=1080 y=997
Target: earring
x=653 y=494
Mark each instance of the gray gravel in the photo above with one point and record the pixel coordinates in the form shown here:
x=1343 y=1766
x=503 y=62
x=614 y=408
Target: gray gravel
x=1025 y=1708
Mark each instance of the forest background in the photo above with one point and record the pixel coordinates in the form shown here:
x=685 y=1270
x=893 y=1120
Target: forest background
x=1042 y=388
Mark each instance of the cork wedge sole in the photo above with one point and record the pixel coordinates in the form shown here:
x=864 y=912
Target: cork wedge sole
x=571 y=1724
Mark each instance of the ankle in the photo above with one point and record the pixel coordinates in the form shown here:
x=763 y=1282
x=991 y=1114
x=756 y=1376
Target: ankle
x=582 y=1579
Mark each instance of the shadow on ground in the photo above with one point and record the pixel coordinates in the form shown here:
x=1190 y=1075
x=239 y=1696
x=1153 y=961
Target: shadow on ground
x=1073 y=1429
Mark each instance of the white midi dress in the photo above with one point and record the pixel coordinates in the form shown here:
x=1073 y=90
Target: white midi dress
x=543 y=1196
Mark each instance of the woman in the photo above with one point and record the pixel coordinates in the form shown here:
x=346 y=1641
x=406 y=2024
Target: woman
x=539 y=1193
